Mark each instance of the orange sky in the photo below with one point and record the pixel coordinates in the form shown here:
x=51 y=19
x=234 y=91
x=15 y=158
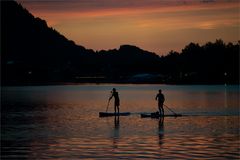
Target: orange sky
x=153 y=25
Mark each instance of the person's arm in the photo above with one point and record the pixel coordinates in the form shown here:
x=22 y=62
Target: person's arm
x=156 y=97
x=110 y=97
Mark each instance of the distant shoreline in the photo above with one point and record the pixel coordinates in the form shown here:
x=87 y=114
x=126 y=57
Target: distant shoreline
x=106 y=82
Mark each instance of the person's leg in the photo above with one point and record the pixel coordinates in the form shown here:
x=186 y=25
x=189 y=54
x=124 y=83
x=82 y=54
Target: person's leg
x=161 y=120
x=159 y=109
x=162 y=111
x=115 y=109
x=118 y=109
x=117 y=105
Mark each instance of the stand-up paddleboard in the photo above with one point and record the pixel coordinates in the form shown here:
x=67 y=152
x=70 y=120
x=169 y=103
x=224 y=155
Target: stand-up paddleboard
x=157 y=115
x=108 y=114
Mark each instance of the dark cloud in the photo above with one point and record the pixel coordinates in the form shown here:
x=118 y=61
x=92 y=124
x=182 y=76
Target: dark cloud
x=88 y=5
x=82 y=5
x=108 y=4
x=208 y=1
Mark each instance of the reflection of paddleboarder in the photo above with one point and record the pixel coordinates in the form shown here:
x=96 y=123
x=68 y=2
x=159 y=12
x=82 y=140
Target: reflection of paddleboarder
x=116 y=132
x=161 y=130
x=116 y=122
x=116 y=98
x=161 y=99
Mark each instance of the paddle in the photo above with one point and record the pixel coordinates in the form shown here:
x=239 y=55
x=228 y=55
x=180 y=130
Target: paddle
x=107 y=105
x=170 y=110
x=108 y=102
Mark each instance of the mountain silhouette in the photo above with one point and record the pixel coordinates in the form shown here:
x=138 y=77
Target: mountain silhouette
x=33 y=53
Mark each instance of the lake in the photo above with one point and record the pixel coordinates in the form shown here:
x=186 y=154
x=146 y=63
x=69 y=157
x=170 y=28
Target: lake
x=62 y=122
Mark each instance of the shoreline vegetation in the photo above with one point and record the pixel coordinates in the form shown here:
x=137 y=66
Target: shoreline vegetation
x=33 y=53
x=94 y=82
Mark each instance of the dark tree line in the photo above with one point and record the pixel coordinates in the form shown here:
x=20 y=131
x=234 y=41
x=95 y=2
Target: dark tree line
x=211 y=63
x=31 y=52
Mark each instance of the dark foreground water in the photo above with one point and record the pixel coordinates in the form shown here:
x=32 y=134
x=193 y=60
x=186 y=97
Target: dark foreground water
x=61 y=122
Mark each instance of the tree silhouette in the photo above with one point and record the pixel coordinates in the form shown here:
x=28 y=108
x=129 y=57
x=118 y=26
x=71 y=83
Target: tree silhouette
x=33 y=53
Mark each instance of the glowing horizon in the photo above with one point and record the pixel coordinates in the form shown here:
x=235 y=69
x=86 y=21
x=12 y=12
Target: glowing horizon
x=153 y=25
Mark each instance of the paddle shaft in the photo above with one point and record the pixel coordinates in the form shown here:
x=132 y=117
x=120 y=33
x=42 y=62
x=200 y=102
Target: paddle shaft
x=170 y=109
x=107 y=105
x=108 y=102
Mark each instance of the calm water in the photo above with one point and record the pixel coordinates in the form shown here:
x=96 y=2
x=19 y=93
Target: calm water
x=61 y=122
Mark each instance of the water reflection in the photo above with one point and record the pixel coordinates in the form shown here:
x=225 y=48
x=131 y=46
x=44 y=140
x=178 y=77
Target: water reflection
x=161 y=130
x=116 y=132
x=54 y=122
x=134 y=98
x=225 y=97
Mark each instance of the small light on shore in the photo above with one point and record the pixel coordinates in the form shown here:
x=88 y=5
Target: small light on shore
x=225 y=74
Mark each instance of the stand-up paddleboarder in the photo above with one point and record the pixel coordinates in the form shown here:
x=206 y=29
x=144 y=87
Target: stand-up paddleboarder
x=116 y=98
x=160 y=98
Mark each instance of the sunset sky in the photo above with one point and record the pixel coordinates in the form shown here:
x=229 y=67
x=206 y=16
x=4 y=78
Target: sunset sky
x=153 y=25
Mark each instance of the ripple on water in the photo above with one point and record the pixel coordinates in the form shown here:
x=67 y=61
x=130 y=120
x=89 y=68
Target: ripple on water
x=134 y=147
x=61 y=122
